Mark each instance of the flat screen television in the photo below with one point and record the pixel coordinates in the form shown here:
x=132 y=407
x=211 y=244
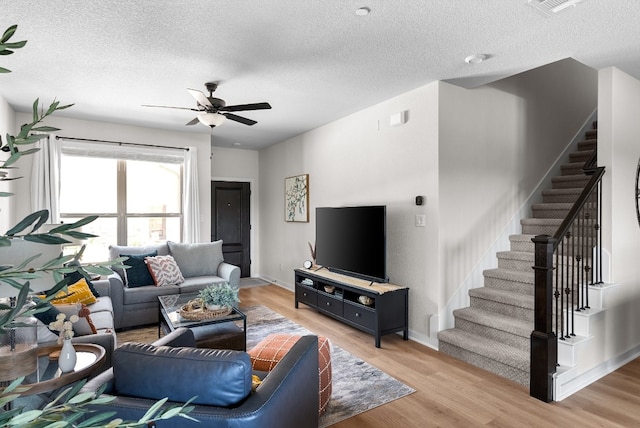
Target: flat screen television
x=353 y=241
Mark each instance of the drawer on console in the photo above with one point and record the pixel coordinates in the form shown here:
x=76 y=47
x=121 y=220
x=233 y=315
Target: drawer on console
x=306 y=295
x=330 y=304
x=360 y=314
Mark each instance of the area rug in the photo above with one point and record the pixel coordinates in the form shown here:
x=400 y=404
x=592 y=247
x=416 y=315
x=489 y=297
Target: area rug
x=357 y=385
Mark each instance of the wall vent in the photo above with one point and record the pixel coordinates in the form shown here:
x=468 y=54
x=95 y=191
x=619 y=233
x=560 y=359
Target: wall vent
x=551 y=7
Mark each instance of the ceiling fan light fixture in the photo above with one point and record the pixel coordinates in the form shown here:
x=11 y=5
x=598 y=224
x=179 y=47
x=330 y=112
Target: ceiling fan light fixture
x=211 y=119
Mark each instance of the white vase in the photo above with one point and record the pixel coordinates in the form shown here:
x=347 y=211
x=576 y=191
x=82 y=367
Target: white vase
x=67 y=359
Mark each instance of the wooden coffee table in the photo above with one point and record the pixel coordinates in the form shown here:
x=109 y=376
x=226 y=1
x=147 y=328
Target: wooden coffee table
x=224 y=332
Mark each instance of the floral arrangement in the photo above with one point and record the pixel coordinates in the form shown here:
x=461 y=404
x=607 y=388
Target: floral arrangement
x=64 y=326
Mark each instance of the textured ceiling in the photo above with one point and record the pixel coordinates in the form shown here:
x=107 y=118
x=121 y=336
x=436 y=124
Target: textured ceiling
x=314 y=61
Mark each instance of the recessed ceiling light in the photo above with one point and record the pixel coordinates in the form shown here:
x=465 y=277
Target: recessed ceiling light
x=363 y=11
x=475 y=59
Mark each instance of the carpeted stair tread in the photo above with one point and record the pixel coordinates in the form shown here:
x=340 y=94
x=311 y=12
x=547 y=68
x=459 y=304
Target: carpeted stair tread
x=568 y=195
x=556 y=209
x=492 y=349
x=580 y=156
x=590 y=144
x=504 y=297
x=498 y=322
x=510 y=275
x=522 y=242
x=510 y=280
x=540 y=226
x=516 y=255
x=569 y=181
x=572 y=168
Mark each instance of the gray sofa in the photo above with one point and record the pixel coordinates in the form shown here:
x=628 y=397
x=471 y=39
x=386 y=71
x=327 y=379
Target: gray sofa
x=287 y=397
x=101 y=317
x=136 y=304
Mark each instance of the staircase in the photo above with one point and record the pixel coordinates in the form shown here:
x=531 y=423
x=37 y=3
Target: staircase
x=494 y=332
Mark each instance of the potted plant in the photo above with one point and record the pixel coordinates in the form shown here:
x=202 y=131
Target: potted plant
x=218 y=296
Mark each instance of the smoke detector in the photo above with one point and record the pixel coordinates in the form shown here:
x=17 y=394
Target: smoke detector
x=551 y=7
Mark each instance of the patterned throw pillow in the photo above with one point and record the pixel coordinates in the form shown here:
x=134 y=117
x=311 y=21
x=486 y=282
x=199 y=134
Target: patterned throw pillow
x=78 y=293
x=164 y=270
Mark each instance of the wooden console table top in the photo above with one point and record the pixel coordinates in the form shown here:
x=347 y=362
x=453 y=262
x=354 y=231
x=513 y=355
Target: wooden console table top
x=376 y=287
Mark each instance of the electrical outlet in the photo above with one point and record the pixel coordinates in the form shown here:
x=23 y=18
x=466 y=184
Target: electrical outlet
x=421 y=220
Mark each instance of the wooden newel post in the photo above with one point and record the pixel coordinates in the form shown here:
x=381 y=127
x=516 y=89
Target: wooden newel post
x=544 y=344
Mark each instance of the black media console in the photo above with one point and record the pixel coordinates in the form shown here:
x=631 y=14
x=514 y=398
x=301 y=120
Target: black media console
x=384 y=309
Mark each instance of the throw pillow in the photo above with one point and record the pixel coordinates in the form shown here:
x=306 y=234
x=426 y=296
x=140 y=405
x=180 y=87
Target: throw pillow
x=77 y=276
x=47 y=316
x=79 y=292
x=138 y=274
x=164 y=270
x=215 y=377
x=197 y=259
x=84 y=325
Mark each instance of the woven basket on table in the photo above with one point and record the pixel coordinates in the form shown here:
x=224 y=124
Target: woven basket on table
x=195 y=310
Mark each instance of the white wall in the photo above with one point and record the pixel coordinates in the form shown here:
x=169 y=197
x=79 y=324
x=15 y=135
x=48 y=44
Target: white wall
x=618 y=151
x=243 y=166
x=497 y=143
x=361 y=160
x=7 y=123
x=107 y=131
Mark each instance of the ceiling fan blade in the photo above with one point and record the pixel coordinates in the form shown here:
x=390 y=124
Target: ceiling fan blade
x=179 y=108
x=240 y=119
x=192 y=121
x=200 y=98
x=241 y=107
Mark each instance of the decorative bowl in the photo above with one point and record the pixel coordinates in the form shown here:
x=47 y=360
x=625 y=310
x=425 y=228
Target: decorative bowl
x=365 y=300
x=329 y=288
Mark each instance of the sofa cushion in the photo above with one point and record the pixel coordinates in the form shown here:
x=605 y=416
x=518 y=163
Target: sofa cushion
x=148 y=294
x=116 y=250
x=102 y=305
x=164 y=270
x=197 y=259
x=138 y=273
x=216 y=377
x=197 y=283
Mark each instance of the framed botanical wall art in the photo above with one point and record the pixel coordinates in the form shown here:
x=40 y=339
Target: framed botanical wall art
x=296 y=198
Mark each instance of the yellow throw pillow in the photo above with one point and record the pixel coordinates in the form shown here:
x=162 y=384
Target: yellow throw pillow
x=78 y=293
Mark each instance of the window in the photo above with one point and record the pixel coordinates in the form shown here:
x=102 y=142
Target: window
x=137 y=195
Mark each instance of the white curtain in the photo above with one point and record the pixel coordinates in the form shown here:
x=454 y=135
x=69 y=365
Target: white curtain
x=45 y=178
x=191 y=203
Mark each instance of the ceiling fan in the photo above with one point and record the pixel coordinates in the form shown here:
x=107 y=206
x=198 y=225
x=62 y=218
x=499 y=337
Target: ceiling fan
x=214 y=111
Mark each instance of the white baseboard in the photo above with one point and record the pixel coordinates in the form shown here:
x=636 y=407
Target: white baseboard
x=563 y=388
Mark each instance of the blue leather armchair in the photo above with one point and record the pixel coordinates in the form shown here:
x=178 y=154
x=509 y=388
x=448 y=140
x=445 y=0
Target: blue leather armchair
x=287 y=397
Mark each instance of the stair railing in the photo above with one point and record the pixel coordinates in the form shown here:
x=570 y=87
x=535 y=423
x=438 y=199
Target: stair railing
x=564 y=267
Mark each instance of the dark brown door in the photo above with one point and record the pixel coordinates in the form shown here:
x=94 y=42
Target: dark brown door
x=230 y=221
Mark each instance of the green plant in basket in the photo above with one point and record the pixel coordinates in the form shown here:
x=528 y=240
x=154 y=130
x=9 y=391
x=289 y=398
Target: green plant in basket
x=219 y=295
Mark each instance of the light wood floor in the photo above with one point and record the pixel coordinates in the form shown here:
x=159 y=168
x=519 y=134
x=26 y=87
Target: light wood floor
x=451 y=393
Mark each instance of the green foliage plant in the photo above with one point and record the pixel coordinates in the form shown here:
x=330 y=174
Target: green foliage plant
x=6 y=46
x=221 y=294
x=72 y=408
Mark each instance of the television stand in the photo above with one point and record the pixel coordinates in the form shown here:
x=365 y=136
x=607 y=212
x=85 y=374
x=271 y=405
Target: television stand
x=375 y=308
